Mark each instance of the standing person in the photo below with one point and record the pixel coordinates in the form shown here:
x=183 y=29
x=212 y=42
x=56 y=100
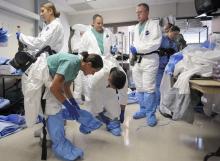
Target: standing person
x=108 y=98
x=98 y=39
x=78 y=31
x=147 y=39
x=167 y=48
x=56 y=73
x=52 y=34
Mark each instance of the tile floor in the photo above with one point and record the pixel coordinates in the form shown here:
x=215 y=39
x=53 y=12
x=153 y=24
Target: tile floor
x=168 y=141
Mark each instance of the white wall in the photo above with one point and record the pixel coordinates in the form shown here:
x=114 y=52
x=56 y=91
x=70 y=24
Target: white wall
x=216 y=24
x=114 y=16
x=10 y=21
x=26 y=4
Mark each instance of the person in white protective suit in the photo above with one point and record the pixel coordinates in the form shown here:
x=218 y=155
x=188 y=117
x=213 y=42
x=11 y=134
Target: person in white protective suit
x=108 y=98
x=96 y=39
x=57 y=72
x=147 y=39
x=52 y=34
x=78 y=31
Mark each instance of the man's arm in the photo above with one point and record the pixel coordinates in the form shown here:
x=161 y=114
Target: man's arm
x=67 y=90
x=57 y=86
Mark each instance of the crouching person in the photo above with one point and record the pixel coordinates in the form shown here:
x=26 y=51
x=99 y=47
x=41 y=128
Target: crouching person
x=108 y=96
x=56 y=72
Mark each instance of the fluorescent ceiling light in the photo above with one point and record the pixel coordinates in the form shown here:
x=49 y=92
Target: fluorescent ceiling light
x=203 y=15
x=90 y=0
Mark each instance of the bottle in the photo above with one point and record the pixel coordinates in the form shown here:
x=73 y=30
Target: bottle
x=21 y=46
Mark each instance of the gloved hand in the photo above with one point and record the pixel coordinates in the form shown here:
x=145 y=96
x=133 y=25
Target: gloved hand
x=114 y=49
x=133 y=50
x=122 y=116
x=72 y=109
x=74 y=103
x=18 y=35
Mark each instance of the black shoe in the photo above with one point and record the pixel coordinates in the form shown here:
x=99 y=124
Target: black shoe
x=165 y=115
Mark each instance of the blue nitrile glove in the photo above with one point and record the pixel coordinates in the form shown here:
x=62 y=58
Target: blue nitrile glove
x=122 y=116
x=3 y=35
x=74 y=103
x=18 y=35
x=72 y=109
x=114 y=49
x=133 y=50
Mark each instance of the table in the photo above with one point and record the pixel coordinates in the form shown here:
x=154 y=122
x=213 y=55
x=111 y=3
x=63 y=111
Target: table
x=207 y=87
x=3 y=76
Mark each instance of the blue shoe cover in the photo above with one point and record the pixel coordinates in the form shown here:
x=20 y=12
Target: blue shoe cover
x=139 y=115
x=116 y=131
x=84 y=130
x=78 y=153
x=151 y=120
x=68 y=153
x=114 y=127
x=87 y=120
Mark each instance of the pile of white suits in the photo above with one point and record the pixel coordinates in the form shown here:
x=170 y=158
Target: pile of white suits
x=176 y=97
x=195 y=62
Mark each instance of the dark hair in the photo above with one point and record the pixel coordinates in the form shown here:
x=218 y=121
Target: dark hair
x=174 y=28
x=145 y=5
x=118 y=78
x=95 y=59
x=168 y=26
x=50 y=5
x=95 y=16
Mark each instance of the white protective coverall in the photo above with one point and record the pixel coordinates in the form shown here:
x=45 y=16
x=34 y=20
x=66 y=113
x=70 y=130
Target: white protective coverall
x=75 y=45
x=90 y=44
x=52 y=35
x=103 y=98
x=38 y=75
x=149 y=40
x=76 y=39
x=144 y=72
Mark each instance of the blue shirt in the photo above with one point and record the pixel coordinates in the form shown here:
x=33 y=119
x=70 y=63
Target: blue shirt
x=168 y=43
x=141 y=27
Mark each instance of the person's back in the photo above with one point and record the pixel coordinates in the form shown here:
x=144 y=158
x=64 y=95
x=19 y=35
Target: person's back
x=106 y=101
x=167 y=48
x=70 y=65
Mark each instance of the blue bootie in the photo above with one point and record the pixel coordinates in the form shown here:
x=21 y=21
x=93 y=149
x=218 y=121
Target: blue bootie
x=140 y=114
x=78 y=153
x=87 y=120
x=85 y=130
x=152 y=120
x=116 y=131
x=114 y=127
